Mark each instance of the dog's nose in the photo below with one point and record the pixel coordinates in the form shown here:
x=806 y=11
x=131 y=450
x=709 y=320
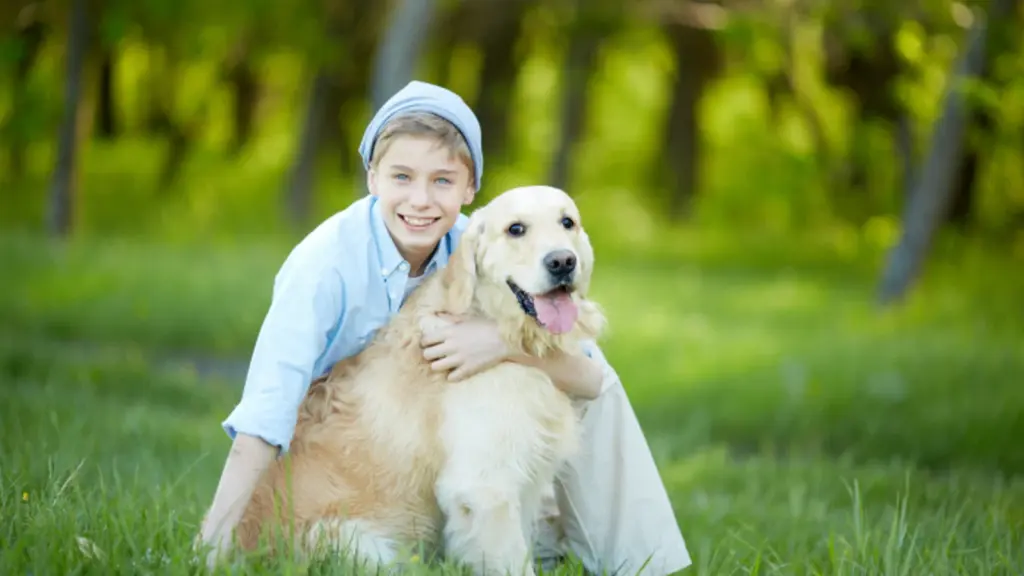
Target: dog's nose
x=560 y=262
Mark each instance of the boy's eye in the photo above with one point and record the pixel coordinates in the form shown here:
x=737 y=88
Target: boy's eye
x=442 y=180
x=400 y=176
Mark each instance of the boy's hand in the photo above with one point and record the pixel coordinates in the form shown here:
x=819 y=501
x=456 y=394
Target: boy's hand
x=211 y=550
x=463 y=346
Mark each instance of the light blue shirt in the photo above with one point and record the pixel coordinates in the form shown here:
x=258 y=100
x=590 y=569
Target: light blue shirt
x=336 y=288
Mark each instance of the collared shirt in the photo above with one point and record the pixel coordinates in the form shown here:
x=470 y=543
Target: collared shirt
x=336 y=288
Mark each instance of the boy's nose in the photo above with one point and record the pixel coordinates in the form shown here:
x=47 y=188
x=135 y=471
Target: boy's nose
x=419 y=195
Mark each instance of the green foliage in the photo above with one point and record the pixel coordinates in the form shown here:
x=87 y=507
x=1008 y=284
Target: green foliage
x=759 y=168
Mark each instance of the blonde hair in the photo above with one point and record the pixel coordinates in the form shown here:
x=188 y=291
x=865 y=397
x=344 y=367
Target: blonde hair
x=423 y=124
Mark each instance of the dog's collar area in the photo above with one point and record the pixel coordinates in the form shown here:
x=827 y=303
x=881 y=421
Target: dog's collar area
x=525 y=300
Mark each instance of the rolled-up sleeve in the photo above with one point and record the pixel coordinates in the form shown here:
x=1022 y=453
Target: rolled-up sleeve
x=306 y=306
x=610 y=377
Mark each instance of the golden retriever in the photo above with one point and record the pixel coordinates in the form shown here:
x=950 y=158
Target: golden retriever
x=389 y=454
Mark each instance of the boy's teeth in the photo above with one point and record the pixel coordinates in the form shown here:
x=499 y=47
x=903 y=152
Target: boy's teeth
x=418 y=221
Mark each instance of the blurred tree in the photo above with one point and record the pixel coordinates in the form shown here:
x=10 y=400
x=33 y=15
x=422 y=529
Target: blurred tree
x=30 y=31
x=170 y=30
x=239 y=72
x=300 y=182
x=982 y=124
x=339 y=91
x=398 y=50
x=783 y=83
x=108 y=30
x=106 y=109
x=361 y=25
x=495 y=28
x=691 y=31
x=63 y=183
x=861 y=58
x=589 y=24
x=929 y=201
x=169 y=65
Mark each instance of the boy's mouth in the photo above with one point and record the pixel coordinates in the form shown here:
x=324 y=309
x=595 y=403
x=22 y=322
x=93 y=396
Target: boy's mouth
x=417 y=223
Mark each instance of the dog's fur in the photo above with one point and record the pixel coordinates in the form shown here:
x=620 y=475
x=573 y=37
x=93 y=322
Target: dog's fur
x=388 y=453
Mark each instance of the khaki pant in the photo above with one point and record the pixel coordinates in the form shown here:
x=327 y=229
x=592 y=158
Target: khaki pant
x=609 y=507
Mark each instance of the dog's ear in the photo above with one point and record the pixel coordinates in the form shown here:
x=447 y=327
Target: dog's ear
x=591 y=322
x=585 y=253
x=461 y=273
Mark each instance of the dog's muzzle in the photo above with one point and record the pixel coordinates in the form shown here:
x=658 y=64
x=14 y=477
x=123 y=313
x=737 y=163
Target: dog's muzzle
x=561 y=267
x=525 y=300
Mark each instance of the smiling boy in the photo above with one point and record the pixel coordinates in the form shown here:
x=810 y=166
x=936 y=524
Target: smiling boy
x=341 y=283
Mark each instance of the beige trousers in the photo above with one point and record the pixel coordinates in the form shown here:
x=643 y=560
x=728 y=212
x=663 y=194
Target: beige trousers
x=609 y=507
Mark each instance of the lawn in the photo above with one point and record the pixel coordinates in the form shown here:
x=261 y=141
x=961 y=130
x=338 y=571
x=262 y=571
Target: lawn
x=798 y=429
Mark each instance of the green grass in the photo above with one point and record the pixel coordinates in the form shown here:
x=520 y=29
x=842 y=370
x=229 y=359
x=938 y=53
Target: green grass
x=799 y=430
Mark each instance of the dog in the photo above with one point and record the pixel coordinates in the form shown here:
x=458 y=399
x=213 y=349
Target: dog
x=389 y=454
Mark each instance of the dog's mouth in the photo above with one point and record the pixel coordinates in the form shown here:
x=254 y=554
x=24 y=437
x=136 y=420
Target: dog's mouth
x=554 y=309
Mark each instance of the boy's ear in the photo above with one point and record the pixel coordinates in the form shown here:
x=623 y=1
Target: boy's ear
x=461 y=273
x=371 y=181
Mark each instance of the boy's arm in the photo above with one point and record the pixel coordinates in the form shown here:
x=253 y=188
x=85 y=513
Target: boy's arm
x=248 y=460
x=579 y=376
x=585 y=376
x=305 y=307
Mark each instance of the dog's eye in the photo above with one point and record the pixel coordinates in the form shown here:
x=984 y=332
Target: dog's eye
x=516 y=229
x=567 y=223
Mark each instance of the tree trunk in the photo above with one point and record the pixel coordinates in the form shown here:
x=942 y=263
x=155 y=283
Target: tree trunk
x=697 y=61
x=399 y=48
x=584 y=44
x=785 y=83
x=359 y=34
x=32 y=32
x=683 y=143
x=300 y=190
x=868 y=73
x=905 y=149
x=1003 y=37
x=963 y=192
x=162 y=121
x=106 y=115
x=927 y=205
x=245 y=92
x=495 y=26
x=62 y=188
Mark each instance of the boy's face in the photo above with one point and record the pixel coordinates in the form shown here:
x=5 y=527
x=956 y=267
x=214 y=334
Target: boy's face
x=421 y=187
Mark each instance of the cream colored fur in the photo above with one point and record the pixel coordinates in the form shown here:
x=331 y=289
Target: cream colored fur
x=388 y=454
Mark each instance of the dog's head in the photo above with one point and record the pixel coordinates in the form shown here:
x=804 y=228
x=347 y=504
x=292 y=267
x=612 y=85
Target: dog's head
x=526 y=261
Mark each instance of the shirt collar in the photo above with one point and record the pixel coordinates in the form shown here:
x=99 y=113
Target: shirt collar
x=387 y=253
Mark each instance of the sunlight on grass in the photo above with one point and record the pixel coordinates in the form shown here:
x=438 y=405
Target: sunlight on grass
x=834 y=518
x=799 y=429
x=130 y=475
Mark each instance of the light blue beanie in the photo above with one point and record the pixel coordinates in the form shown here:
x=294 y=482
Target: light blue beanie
x=419 y=96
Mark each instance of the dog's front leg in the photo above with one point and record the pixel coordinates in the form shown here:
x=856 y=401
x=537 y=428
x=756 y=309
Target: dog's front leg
x=483 y=524
x=480 y=486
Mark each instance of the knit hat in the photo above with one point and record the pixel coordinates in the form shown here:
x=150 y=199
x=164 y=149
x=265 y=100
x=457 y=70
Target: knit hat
x=419 y=96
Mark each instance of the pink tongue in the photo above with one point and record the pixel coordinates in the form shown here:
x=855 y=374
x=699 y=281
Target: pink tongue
x=556 y=312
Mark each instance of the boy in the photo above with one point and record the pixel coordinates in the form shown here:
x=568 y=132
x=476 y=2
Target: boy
x=424 y=162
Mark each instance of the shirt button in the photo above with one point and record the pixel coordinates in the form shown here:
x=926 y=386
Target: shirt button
x=404 y=266
x=383 y=271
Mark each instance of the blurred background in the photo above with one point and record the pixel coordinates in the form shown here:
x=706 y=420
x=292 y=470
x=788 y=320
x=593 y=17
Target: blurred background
x=809 y=221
